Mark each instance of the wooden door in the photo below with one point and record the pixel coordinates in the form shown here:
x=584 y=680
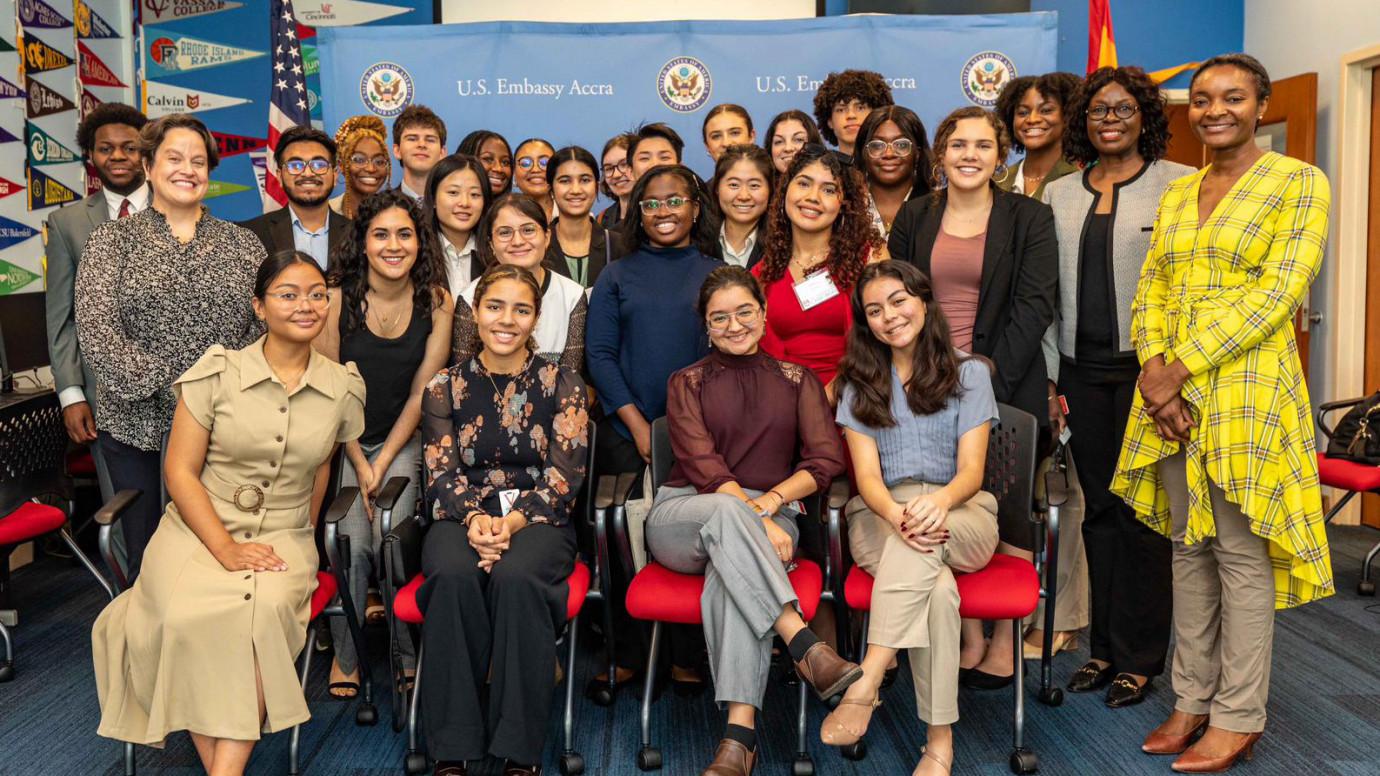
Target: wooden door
x=1290 y=126
x=1370 y=504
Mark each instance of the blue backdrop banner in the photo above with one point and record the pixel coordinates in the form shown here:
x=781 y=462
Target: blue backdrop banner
x=583 y=83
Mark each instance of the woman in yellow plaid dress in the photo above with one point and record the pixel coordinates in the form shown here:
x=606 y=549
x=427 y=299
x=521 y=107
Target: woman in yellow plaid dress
x=1219 y=450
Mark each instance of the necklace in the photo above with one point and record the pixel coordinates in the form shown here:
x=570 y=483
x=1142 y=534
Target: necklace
x=806 y=267
x=513 y=407
x=386 y=325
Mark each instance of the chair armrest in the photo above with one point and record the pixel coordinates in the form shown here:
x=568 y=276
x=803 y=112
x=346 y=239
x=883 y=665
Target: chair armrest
x=388 y=495
x=603 y=492
x=623 y=488
x=340 y=505
x=110 y=512
x=838 y=493
x=1332 y=406
x=402 y=550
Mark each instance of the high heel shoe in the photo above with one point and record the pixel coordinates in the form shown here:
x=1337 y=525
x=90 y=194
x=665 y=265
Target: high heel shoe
x=833 y=733
x=925 y=752
x=1064 y=641
x=1161 y=741
x=1193 y=761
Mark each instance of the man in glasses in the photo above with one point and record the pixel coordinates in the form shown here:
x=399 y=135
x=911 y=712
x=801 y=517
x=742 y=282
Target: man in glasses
x=306 y=166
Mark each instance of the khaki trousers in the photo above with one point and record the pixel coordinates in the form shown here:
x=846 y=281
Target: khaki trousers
x=915 y=599
x=1071 y=611
x=1224 y=611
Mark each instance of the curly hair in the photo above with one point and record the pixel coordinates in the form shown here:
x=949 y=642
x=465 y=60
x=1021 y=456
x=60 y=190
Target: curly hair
x=1154 y=124
x=865 y=86
x=946 y=128
x=351 y=132
x=100 y=116
x=704 y=234
x=853 y=236
x=351 y=263
x=1059 y=87
x=912 y=128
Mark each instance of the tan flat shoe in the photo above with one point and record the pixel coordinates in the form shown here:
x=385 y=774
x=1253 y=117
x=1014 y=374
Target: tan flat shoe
x=833 y=733
x=1064 y=641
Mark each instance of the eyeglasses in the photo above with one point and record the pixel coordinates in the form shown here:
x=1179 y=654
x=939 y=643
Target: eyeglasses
x=526 y=162
x=360 y=160
x=1123 y=111
x=298 y=166
x=622 y=167
x=504 y=234
x=650 y=206
x=901 y=146
x=315 y=298
x=746 y=317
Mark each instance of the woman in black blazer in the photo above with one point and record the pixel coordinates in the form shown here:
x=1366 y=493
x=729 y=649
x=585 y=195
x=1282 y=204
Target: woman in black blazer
x=993 y=260
x=580 y=247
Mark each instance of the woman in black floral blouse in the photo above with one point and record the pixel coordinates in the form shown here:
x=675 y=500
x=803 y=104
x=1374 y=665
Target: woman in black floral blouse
x=505 y=437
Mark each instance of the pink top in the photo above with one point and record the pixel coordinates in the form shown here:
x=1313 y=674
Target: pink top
x=956 y=273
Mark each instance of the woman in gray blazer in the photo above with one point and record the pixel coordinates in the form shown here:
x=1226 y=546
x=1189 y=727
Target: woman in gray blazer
x=1104 y=219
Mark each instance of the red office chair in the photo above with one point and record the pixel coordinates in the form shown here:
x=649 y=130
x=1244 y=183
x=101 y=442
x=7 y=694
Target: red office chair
x=402 y=578
x=33 y=453
x=1351 y=477
x=659 y=595
x=1008 y=588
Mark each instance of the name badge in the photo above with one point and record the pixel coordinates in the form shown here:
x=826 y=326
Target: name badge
x=506 y=499
x=815 y=290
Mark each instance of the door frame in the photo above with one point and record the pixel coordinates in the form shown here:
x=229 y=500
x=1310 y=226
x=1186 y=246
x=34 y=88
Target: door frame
x=1351 y=195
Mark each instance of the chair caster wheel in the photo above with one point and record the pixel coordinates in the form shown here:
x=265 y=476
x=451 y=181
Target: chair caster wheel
x=855 y=752
x=649 y=758
x=600 y=694
x=415 y=763
x=1024 y=761
x=367 y=715
x=1052 y=696
x=6 y=671
x=572 y=764
x=1365 y=587
x=803 y=766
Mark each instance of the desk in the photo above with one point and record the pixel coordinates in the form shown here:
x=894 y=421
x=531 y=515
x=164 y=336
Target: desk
x=33 y=448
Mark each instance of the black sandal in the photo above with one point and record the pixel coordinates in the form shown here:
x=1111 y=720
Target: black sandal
x=353 y=687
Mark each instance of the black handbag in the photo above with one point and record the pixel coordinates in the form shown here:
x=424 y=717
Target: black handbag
x=1357 y=435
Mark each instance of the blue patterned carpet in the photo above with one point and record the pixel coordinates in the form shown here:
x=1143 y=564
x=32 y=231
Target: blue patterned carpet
x=1324 y=707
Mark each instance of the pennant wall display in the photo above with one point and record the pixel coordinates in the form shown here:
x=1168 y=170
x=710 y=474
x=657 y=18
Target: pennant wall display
x=44 y=150
x=171 y=54
x=9 y=91
x=9 y=187
x=342 y=13
x=161 y=99
x=5 y=45
x=44 y=101
x=7 y=137
x=176 y=10
x=12 y=232
x=221 y=188
x=14 y=277
x=230 y=145
x=88 y=103
x=93 y=180
x=90 y=25
x=38 y=14
x=260 y=161
x=39 y=57
x=93 y=71
x=46 y=191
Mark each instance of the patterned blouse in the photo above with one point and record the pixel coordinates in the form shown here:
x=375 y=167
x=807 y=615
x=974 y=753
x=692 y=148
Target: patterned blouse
x=484 y=433
x=148 y=306
x=1221 y=298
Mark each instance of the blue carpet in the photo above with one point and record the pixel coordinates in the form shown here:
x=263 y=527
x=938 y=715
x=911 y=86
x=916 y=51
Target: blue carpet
x=1324 y=707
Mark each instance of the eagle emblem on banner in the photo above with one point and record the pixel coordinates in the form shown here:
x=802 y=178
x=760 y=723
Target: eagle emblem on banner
x=984 y=75
x=684 y=84
x=385 y=89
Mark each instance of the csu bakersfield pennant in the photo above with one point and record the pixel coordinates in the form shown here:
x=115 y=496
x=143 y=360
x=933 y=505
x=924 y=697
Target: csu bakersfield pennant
x=170 y=54
x=12 y=232
x=43 y=149
x=46 y=191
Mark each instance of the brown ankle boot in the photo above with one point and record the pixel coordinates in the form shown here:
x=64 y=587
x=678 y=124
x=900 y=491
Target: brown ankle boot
x=731 y=759
x=826 y=672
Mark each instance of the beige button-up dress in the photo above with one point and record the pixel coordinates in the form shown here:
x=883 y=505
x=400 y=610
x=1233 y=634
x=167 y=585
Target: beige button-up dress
x=177 y=650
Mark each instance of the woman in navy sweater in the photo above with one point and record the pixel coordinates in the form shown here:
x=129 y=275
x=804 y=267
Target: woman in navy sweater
x=642 y=325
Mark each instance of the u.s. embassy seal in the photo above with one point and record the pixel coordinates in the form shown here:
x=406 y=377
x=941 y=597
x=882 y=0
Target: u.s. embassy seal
x=385 y=89
x=684 y=84
x=984 y=75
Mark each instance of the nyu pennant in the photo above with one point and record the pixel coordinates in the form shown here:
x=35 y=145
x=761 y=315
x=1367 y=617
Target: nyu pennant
x=170 y=54
x=9 y=91
x=229 y=145
x=90 y=25
x=43 y=149
x=161 y=99
x=39 y=57
x=42 y=100
x=46 y=191
x=36 y=13
x=172 y=10
x=93 y=71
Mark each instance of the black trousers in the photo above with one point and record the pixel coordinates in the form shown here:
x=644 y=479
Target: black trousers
x=1128 y=563
x=142 y=470
x=498 y=626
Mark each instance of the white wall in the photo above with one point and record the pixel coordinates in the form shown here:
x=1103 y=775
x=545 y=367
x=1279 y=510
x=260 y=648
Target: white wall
x=1291 y=37
x=453 y=11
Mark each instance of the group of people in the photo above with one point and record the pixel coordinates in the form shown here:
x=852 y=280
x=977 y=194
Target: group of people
x=805 y=315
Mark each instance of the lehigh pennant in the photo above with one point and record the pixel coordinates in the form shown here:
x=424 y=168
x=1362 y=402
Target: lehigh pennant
x=43 y=101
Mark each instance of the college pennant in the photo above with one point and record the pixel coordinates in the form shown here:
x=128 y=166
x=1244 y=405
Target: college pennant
x=14 y=277
x=6 y=137
x=88 y=103
x=42 y=100
x=342 y=13
x=43 y=149
x=36 y=13
x=13 y=232
x=46 y=191
x=9 y=91
x=161 y=99
x=171 y=54
x=177 y=10
x=230 y=145
x=90 y=25
x=5 y=45
x=223 y=188
x=39 y=57
x=9 y=187
x=93 y=71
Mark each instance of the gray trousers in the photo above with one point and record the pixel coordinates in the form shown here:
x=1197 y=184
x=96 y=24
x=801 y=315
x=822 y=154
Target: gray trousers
x=366 y=537
x=745 y=583
x=1224 y=611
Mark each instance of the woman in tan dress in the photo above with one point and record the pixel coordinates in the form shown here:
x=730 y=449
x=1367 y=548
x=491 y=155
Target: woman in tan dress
x=206 y=639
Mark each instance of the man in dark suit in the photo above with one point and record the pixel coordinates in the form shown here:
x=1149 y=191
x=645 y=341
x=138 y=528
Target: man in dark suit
x=306 y=166
x=109 y=140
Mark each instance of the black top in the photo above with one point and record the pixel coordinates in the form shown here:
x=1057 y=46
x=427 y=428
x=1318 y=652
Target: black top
x=387 y=366
x=603 y=250
x=1096 y=321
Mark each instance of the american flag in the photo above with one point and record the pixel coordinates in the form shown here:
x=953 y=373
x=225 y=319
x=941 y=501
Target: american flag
x=287 y=105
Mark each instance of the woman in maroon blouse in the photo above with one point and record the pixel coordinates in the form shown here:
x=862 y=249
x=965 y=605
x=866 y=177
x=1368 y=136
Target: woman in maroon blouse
x=751 y=436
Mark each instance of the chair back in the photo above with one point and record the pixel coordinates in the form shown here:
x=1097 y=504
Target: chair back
x=1011 y=456
x=662 y=456
x=33 y=452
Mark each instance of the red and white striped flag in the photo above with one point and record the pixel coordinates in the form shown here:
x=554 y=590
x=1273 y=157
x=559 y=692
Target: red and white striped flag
x=287 y=103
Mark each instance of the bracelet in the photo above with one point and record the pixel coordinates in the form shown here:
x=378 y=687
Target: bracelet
x=774 y=492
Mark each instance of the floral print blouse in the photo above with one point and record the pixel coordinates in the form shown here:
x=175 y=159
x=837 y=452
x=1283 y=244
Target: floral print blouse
x=484 y=434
